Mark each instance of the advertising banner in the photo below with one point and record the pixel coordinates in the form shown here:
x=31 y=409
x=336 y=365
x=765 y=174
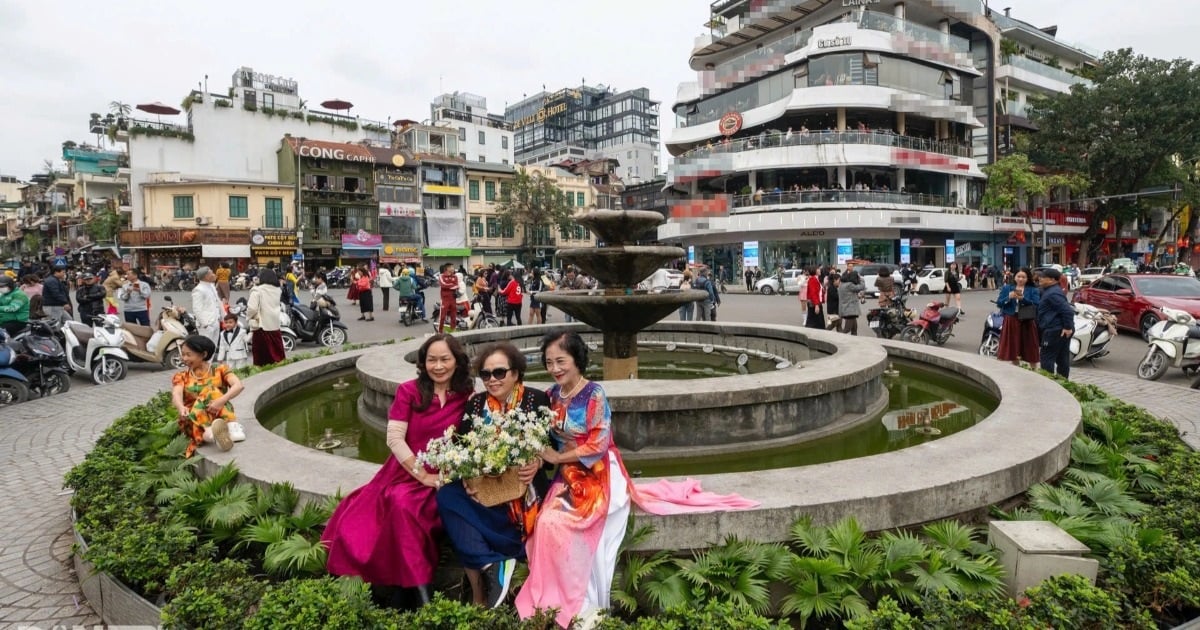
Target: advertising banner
x=845 y=250
x=949 y=251
x=691 y=254
x=905 y=251
x=750 y=254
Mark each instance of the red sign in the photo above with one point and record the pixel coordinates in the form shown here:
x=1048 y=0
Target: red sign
x=362 y=238
x=730 y=123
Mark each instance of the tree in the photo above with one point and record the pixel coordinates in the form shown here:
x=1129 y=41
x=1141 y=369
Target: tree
x=1121 y=131
x=120 y=109
x=533 y=201
x=104 y=226
x=1013 y=183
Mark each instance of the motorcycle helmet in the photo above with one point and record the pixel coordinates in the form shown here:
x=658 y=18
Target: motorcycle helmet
x=6 y=282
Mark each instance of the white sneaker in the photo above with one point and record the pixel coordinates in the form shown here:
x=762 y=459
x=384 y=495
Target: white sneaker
x=220 y=433
x=236 y=432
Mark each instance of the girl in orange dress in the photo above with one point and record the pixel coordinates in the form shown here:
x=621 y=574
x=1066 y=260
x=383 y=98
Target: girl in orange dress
x=201 y=394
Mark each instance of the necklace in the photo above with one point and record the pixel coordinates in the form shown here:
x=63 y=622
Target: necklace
x=198 y=376
x=575 y=390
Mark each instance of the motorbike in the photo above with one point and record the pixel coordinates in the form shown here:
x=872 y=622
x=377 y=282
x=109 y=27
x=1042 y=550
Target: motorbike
x=338 y=277
x=95 y=349
x=38 y=360
x=319 y=322
x=285 y=324
x=989 y=343
x=935 y=325
x=1174 y=342
x=888 y=321
x=408 y=311
x=161 y=342
x=242 y=282
x=474 y=319
x=1094 y=329
x=14 y=387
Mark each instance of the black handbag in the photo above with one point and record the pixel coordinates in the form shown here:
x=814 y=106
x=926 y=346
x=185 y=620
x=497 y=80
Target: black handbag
x=1026 y=312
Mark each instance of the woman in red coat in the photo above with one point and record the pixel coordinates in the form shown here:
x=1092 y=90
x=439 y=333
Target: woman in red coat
x=815 y=295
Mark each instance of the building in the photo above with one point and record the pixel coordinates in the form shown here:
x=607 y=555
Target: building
x=443 y=192
x=482 y=137
x=491 y=240
x=588 y=122
x=400 y=224
x=10 y=189
x=338 y=215
x=818 y=132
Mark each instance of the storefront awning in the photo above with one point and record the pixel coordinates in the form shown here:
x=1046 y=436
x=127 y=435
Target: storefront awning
x=225 y=251
x=447 y=252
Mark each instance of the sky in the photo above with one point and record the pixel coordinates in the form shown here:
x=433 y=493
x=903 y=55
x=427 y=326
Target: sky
x=61 y=61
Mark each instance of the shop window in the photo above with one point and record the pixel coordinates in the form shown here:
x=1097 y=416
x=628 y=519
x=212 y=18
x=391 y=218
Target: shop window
x=350 y=184
x=274 y=213
x=183 y=207
x=239 y=207
x=321 y=182
x=473 y=190
x=489 y=191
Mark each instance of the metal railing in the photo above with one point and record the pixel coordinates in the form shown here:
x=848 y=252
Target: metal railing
x=840 y=196
x=752 y=64
x=1041 y=69
x=884 y=138
x=875 y=21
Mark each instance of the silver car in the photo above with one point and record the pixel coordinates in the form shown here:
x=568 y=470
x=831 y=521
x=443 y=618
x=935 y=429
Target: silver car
x=790 y=282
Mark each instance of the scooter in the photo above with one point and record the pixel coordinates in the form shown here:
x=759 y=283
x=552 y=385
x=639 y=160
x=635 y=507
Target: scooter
x=39 y=358
x=989 y=343
x=95 y=349
x=889 y=321
x=1094 y=329
x=935 y=325
x=14 y=387
x=406 y=307
x=241 y=282
x=160 y=343
x=320 y=322
x=285 y=324
x=1174 y=342
x=474 y=319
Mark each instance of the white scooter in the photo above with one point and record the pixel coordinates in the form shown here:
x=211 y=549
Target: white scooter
x=1094 y=329
x=95 y=349
x=1174 y=342
x=285 y=323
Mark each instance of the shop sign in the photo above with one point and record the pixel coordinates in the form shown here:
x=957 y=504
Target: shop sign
x=362 y=239
x=949 y=250
x=1056 y=240
x=750 y=254
x=859 y=3
x=325 y=251
x=220 y=237
x=845 y=250
x=905 y=251
x=839 y=41
x=811 y=233
x=395 y=178
x=335 y=151
x=917 y=242
x=390 y=209
x=962 y=249
x=496 y=252
x=691 y=254
x=269 y=244
x=401 y=250
x=730 y=123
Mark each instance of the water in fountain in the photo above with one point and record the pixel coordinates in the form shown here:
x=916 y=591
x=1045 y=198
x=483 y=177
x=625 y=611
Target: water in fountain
x=618 y=309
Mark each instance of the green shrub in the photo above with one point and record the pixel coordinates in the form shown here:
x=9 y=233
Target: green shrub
x=1066 y=602
x=328 y=603
x=141 y=551
x=211 y=595
x=711 y=615
x=1159 y=573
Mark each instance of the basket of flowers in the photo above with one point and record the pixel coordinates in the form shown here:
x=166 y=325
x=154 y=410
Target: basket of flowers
x=486 y=456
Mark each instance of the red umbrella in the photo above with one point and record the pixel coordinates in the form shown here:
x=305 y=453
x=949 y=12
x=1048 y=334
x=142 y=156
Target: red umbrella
x=158 y=107
x=337 y=104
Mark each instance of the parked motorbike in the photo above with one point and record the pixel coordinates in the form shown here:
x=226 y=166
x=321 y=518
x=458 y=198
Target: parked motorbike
x=1174 y=342
x=40 y=359
x=14 y=387
x=242 y=282
x=161 y=342
x=989 y=343
x=935 y=325
x=474 y=319
x=319 y=322
x=1094 y=329
x=285 y=324
x=889 y=321
x=95 y=349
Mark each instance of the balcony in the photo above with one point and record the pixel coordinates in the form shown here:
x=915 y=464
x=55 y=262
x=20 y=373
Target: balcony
x=874 y=137
x=751 y=65
x=161 y=129
x=1029 y=74
x=857 y=197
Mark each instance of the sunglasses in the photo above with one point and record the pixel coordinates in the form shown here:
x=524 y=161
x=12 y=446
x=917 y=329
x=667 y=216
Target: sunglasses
x=498 y=374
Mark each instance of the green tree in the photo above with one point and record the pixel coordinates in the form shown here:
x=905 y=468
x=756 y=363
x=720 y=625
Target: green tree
x=120 y=109
x=104 y=225
x=1013 y=183
x=533 y=201
x=1120 y=132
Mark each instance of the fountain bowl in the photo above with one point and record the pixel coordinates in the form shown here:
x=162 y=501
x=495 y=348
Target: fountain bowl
x=617 y=227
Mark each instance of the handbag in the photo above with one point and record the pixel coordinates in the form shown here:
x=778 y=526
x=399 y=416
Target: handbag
x=1026 y=312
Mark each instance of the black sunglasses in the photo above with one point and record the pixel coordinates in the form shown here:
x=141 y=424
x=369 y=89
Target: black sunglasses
x=498 y=373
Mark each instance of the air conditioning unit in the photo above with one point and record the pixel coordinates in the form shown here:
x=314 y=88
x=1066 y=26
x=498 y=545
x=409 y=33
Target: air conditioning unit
x=203 y=220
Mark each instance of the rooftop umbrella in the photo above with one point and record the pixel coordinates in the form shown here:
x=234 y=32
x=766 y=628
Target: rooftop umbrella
x=337 y=104
x=159 y=108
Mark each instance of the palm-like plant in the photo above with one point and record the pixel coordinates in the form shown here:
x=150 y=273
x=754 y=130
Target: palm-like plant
x=736 y=571
x=120 y=109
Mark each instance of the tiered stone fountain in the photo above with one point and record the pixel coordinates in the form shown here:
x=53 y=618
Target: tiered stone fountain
x=618 y=309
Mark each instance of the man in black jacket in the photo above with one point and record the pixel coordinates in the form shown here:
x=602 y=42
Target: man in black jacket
x=56 y=297
x=1056 y=324
x=90 y=297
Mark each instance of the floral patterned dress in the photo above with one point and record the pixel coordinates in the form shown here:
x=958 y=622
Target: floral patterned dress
x=198 y=394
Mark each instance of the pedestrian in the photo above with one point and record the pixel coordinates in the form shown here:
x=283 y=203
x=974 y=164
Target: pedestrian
x=366 y=296
x=514 y=295
x=14 y=306
x=233 y=347
x=224 y=273
x=385 y=285
x=56 y=296
x=833 y=300
x=885 y=285
x=263 y=314
x=1019 y=333
x=90 y=296
x=953 y=288
x=448 y=285
x=536 y=285
x=1056 y=324
x=707 y=306
x=134 y=297
x=814 y=293
x=687 y=310
x=749 y=279
x=848 y=305
x=206 y=304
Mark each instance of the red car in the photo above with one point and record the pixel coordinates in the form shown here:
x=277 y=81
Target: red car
x=1135 y=297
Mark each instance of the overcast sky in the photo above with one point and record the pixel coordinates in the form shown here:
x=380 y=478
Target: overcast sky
x=60 y=61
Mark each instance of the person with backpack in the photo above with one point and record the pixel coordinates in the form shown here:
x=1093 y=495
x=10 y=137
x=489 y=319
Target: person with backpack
x=708 y=306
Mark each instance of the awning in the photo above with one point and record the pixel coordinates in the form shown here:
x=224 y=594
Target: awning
x=225 y=251
x=447 y=252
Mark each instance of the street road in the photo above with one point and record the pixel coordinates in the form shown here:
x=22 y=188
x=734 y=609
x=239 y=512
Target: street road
x=1126 y=351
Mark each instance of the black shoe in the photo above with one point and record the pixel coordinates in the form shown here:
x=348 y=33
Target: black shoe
x=497 y=579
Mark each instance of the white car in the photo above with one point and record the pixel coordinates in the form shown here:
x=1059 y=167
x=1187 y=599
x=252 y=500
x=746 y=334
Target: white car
x=1088 y=275
x=791 y=283
x=674 y=278
x=868 y=274
x=931 y=280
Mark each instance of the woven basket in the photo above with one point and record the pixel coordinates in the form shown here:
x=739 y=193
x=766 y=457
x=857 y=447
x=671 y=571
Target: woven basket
x=493 y=490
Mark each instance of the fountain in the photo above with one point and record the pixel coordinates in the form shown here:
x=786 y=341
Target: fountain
x=618 y=309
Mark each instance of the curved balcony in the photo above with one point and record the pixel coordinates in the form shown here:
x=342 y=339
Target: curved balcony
x=872 y=198
x=883 y=138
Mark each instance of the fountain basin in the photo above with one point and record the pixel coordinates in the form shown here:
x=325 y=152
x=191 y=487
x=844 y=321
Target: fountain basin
x=622 y=265
x=617 y=227
x=1026 y=440
x=619 y=311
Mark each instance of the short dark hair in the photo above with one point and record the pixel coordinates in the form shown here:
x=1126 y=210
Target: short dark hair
x=516 y=360
x=571 y=343
x=201 y=345
x=1052 y=273
x=230 y=316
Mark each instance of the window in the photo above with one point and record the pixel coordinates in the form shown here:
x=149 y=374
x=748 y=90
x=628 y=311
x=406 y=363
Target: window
x=579 y=199
x=489 y=191
x=274 y=214
x=183 y=207
x=482 y=138
x=503 y=189
x=493 y=227
x=473 y=190
x=268 y=100
x=507 y=231
x=239 y=207
x=482 y=158
x=462 y=133
x=504 y=143
x=476 y=227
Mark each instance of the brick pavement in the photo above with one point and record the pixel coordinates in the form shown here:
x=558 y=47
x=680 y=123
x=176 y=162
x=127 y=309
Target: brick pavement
x=41 y=440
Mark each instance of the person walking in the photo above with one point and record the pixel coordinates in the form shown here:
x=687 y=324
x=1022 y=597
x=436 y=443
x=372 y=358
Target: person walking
x=223 y=273
x=1056 y=324
x=510 y=288
x=954 y=282
x=1019 y=333
x=448 y=285
x=687 y=310
x=206 y=304
x=134 y=297
x=848 y=305
x=366 y=296
x=90 y=296
x=385 y=279
x=707 y=306
x=263 y=314
x=814 y=295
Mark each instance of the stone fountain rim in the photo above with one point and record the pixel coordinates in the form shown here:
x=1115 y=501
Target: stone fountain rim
x=998 y=458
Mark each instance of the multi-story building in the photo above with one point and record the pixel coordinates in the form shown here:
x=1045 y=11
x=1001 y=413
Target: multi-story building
x=491 y=240
x=10 y=189
x=443 y=191
x=588 y=122
x=338 y=215
x=400 y=226
x=482 y=137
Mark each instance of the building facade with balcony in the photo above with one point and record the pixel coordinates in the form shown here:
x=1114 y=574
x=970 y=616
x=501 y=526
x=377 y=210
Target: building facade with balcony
x=820 y=131
x=589 y=122
x=482 y=136
x=443 y=190
x=400 y=224
x=490 y=239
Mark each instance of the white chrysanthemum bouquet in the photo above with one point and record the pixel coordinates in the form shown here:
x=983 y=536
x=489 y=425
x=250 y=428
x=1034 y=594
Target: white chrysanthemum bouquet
x=494 y=444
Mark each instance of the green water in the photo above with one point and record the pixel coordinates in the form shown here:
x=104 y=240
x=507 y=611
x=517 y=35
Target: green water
x=305 y=413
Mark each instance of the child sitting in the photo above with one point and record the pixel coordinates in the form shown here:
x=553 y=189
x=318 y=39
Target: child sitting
x=233 y=347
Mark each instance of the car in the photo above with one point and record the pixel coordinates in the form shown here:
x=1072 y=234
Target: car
x=674 y=278
x=771 y=285
x=1122 y=264
x=1088 y=275
x=931 y=280
x=1137 y=298
x=870 y=272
